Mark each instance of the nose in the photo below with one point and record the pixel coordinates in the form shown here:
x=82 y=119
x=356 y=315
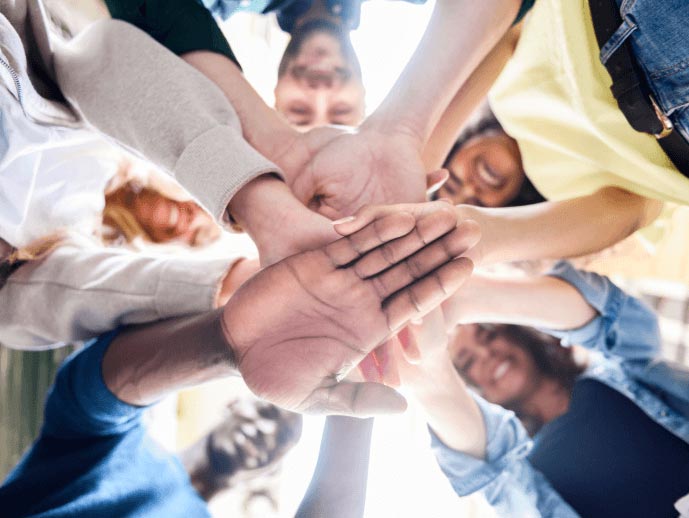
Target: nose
x=319 y=79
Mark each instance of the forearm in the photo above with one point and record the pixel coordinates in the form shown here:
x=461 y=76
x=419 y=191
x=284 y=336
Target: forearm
x=145 y=363
x=558 y=229
x=458 y=37
x=544 y=301
x=264 y=128
x=126 y=287
x=338 y=485
x=470 y=95
x=450 y=410
x=279 y=224
x=197 y=133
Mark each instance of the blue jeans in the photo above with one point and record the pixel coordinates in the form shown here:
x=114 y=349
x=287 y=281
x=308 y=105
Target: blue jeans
x=659 y=34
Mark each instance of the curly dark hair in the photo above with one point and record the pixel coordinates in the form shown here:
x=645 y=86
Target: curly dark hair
x=552 y=359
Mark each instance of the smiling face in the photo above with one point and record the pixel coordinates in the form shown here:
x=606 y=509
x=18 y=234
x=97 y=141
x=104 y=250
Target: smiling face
x=164 y=219
x=503 y=372
x=486 y=171
x=319 y=80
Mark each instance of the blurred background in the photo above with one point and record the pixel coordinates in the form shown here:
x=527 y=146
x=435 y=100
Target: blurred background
x=654 y=265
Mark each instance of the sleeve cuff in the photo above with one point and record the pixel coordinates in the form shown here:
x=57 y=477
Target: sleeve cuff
x=599 y=292
x=507 y=442
x=80 y=404
x=228 y=163
x=190 y=285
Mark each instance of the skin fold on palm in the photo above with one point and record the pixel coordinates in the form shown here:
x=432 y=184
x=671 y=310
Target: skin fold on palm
x=301 y=325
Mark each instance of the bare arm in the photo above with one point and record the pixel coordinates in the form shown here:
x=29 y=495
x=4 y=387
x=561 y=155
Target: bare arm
x=557 y=229
x=338 y=485
x=145 y=363
x=331 y=306
x=450 y=410
x=544 y=301
x=459 y=36
x=466 y=100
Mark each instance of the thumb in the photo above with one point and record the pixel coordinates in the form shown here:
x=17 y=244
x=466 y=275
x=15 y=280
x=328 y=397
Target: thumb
x=361 y=400
x=435 y=180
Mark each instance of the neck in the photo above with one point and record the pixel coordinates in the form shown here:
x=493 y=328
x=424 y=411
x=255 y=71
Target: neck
x=549 y=401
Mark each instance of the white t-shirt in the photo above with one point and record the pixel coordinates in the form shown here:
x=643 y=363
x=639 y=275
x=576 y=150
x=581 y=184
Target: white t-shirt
x=51 y=177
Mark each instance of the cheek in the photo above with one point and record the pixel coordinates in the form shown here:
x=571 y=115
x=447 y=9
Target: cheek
x=513 y=385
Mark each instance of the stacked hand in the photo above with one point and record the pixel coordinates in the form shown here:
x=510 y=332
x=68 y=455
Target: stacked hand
x=299 y=326
x=337 y=172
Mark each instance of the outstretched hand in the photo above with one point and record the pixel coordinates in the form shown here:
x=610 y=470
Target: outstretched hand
x=299 y=326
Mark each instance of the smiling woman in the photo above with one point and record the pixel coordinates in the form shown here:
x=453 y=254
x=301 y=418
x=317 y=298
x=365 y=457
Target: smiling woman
x=514 y=366
x=153 y=211
x=486 y=168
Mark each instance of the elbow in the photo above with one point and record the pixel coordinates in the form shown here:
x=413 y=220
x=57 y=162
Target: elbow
x=632 y=210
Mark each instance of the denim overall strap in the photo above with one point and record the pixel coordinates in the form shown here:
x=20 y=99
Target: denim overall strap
x=629 y=85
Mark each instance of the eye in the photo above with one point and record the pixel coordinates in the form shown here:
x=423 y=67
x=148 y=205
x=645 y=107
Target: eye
x=299 y=114
x=343 y=74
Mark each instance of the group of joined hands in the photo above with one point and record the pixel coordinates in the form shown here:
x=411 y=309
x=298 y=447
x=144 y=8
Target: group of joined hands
x=337 y=295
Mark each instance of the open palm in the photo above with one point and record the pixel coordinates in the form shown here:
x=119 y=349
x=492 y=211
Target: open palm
x=299 y=326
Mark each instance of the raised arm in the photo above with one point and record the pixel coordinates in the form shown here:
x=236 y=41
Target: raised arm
x=580 y=307
x=126 y=287
x=199 y=137
x=466 y=100
x=479 y=446
x=338 y=484
x=458 y=38
x=557 y=229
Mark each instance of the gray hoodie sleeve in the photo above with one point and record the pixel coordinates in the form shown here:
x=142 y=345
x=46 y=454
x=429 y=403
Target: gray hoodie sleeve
x=78 y=292
x=132 y=89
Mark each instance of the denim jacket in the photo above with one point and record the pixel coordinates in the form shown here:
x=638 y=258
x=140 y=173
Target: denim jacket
x=626 y=333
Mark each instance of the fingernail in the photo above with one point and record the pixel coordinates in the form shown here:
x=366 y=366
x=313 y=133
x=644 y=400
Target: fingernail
x=446 y=200
x=344 y=220
x=433 y=188
x=369 y=369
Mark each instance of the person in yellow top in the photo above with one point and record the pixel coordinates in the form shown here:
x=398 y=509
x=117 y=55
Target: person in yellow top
x=604 y=179
x=554 y=98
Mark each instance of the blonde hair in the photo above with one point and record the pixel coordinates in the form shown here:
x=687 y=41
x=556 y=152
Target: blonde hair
x=119 y=222
x=13 y=258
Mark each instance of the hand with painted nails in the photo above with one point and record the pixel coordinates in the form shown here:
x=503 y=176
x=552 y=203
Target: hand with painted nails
x=297 y=328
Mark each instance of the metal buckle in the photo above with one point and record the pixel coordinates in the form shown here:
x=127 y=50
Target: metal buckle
x=664 y=120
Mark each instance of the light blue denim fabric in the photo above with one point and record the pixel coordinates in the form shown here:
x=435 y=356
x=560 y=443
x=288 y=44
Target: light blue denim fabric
x=659 y=35
x=626 y=333
x=226 y=8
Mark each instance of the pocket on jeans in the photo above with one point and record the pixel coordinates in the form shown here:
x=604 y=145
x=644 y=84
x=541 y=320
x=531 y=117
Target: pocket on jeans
x=661 y=46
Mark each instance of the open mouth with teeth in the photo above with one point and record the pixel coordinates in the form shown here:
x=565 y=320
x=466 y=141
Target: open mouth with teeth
x=501 y=370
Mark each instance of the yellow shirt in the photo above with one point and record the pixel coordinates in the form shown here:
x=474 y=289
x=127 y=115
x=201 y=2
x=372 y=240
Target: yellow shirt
x=554 y=98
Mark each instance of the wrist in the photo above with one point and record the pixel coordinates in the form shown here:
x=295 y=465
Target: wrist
x=239 y=271
x=395 y=126
x=437 y=378
x=252 y=206
x=481 y=251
